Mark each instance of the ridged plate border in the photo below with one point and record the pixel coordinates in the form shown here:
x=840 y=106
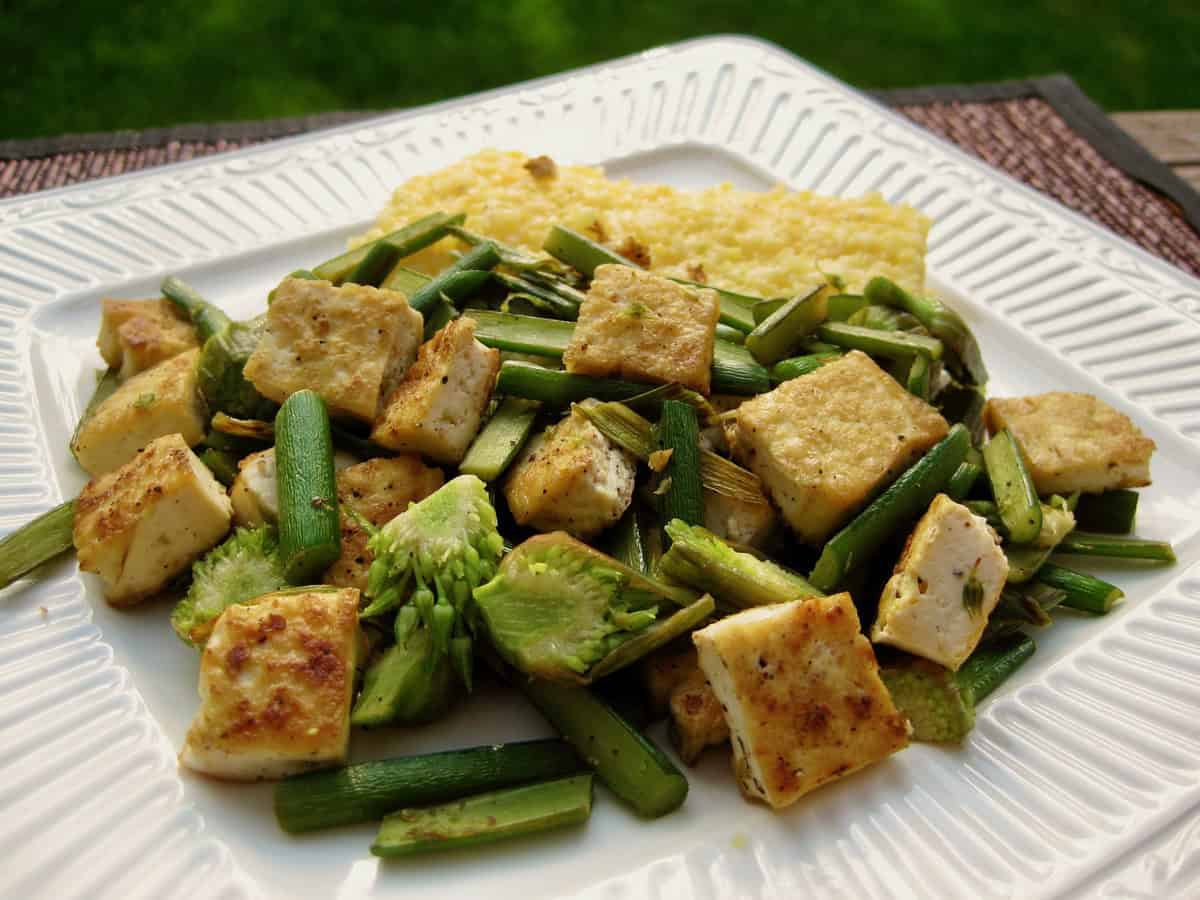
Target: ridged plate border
x=1095 y=796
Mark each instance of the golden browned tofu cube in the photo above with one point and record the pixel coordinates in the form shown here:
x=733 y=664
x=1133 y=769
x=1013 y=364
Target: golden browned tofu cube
x=571 y=478
x=663 y=671
x=276 y=681
x=802 y=696
x=351 y=344
x=1074 y=442
x=945 y=586
x=378 y=490
x=162 y=400
x=438 y=406
x=737 y=520
x=136 y=335
x=696 y=721
x=644 y=327
x=824 y=443
x=141 y=525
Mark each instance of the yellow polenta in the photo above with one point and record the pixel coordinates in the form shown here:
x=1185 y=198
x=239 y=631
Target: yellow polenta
x=770 y=243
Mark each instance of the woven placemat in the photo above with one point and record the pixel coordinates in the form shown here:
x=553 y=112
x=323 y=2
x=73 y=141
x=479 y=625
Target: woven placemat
x=1044 y=132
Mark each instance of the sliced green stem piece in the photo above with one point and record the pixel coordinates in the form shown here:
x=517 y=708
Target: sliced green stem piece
x=991 y=664
x=1084 y=592
x=1112 y=512
x=943 y=323
x=453 y=282
x=484 y=818
x=36 y=542
x=522 y=334
x=963 y=480
x=501 y=439
x=1087 y=543
x=626 y=761
x=368 y=791
x=626 y=543
x=781 y=332
x=207 y=318
x=787 y=369
x=581 y=253
x=406 y=241
x=888 y=344
x=841 y=307
x=405 y=280
x=309 y=527
x=105 y=387
x=679 y=433
x=380 y=260
x=1013 y=488
x=558 y=389
x=892 y=511
x=700 y=559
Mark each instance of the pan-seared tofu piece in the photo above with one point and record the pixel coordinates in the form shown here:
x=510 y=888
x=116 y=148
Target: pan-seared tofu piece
x=802 y=696
x=740 y=521
x=571 y=478
x=351 y=344
x=162 y=400
x=438 y=406
x=696 y=720
x=826 y=442
x=141 y=525
x=945 y=586
x=378 y=490
x=138 y=334
x=1074 y=442
x=644 y=327
x=276 y=680
x=254 y=493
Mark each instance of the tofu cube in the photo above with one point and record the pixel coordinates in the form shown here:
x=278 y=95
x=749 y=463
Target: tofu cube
x=141 y=525
x=438 y=406
x=826 y=442
x=737 y=520
x=696 y=720
x=351 y=344
x=276 y=680
x=254 y=493
x=571 y=478
x=663 y=671
x=1074 y=442
x=945 y=586
x=160 y=401
x=802 y=696
x=378 y=490
x=644 y=327
x=136 y=335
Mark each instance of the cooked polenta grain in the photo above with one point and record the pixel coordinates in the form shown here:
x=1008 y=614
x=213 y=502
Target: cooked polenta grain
x=378 y=490
x=761 y=243
x=825 y=442
x=1074 y=442
x=276 y=679
x=138 y=334
x=801 y=693
x=351 y=344
x=643 y=327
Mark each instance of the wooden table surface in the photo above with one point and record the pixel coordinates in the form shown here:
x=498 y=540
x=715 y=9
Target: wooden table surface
x=1171 y=135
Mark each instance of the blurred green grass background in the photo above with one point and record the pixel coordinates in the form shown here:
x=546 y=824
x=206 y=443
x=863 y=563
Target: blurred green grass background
x=88 y=66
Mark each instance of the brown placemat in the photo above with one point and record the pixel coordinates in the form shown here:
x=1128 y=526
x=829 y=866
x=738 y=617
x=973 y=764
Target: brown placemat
x=1044 y=132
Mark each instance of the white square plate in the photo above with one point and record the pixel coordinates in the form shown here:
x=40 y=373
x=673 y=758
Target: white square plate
x=1082 y=776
